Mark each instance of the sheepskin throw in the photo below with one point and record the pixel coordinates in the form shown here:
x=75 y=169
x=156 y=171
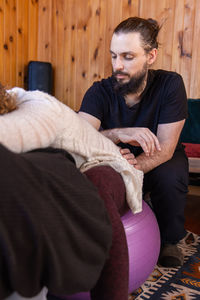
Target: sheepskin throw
x=42 y=121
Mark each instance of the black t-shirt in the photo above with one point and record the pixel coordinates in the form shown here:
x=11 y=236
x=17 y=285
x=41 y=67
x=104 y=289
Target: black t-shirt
x=164 y=100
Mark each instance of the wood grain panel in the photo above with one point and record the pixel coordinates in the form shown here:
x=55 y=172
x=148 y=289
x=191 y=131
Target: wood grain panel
x=71 y=57
x=22 y=42
x=74 y=35
x=187 y=38
x=57 y=39
x=103 y=53
x=12 y=41
x=69 y=53
x=32 y=29
x=130 y=8
x=167 y=37
x=45 y=16
x=158 y=12
x=95 y=42
x=7 y=47
x=113 y=17
x=195 y=66
x=2 y=41
x=83 y=45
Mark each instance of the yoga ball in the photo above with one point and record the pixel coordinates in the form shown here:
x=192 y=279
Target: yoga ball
x=143 y=238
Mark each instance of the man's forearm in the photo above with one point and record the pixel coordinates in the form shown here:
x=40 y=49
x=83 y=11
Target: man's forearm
x=144 y=163
x=148 y=163
x=111 y=134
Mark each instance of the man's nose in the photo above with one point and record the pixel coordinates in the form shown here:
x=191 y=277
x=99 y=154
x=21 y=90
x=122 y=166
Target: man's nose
x=118 y=64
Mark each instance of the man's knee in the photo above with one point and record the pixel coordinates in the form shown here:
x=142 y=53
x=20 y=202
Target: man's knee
x=168 y=176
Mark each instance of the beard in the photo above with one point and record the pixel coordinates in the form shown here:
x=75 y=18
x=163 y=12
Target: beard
x=134 y=84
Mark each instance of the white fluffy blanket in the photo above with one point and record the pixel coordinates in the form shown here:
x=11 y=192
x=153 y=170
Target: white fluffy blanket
x=42 y=121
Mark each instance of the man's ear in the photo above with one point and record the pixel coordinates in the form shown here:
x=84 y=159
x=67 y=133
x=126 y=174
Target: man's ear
x=151 y=56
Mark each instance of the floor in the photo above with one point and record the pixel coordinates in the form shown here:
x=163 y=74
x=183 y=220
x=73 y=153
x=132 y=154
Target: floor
x=192 y=211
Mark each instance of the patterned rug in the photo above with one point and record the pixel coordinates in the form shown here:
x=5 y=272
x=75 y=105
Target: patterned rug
x=181 y=283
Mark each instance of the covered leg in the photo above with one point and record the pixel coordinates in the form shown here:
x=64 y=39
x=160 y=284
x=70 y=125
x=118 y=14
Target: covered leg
x=113 y=282
x=168 y=186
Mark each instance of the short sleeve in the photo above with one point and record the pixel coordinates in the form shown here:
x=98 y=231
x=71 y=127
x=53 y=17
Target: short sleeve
x=93 y=101
x=174 y=106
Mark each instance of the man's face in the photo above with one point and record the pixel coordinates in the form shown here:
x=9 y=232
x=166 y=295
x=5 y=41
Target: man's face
x=129 y=61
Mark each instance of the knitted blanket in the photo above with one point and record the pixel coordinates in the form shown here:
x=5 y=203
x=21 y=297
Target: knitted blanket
x=42 y=121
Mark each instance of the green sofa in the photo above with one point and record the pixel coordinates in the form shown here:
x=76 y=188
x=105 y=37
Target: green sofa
x=190 y=135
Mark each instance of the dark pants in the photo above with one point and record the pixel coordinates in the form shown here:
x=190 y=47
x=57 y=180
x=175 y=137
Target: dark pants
x=54 y=228
x=168 y=187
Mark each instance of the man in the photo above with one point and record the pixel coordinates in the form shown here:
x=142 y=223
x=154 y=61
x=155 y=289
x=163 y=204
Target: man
x=144 y=111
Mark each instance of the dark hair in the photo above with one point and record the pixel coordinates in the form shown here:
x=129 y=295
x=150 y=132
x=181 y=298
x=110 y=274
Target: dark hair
x=7 y=101
x=148 y=29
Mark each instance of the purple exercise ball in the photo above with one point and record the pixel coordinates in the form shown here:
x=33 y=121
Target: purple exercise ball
x=143 y=238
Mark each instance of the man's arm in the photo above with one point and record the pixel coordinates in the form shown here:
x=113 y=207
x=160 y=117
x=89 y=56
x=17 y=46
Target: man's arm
x=136 y=136
x=157 y=150
x=168 y=135
x=96 y=123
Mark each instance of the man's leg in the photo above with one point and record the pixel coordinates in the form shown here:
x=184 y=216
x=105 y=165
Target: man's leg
x=113 y=283
x=168 y=186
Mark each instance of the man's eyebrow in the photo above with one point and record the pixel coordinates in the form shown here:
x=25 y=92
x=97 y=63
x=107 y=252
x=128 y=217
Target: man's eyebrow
x=123 y=53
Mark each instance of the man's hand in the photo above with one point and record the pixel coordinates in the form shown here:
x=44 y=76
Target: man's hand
x=138 y=136
x=130 y=157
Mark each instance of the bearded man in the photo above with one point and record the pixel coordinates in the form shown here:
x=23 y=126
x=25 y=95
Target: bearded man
x=143 y=111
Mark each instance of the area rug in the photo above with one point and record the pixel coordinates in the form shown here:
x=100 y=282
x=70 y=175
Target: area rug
x=181 y=283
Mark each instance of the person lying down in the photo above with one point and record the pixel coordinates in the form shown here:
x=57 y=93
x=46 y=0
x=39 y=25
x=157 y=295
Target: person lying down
x=55 y=213
x=41 y=121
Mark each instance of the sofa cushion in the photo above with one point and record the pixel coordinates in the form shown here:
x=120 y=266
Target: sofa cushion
x=192 y=150
x=191 y=129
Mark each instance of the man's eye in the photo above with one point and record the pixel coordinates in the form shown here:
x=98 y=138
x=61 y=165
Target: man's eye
x=128 y=57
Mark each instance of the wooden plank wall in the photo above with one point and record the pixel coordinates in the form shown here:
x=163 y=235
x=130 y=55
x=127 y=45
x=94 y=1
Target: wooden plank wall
x=18 y=39
x=74 y=35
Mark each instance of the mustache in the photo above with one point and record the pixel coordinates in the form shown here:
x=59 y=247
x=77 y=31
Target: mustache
x=119 y=73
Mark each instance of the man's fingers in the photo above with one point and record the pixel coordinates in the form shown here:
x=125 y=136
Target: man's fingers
x=144 y=143
x=124 y=151
x=158 y=147
x=149 y=143
x=138 y=167
x=128 y=156
x=140 y=137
